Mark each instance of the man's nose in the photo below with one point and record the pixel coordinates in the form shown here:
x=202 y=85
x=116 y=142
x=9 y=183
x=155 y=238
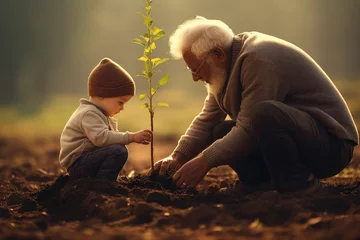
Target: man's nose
x=195 y=77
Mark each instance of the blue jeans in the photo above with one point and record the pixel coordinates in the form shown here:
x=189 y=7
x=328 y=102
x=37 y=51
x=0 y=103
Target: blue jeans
x=104 y=163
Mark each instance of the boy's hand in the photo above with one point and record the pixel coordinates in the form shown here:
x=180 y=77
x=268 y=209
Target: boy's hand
x=142 y=137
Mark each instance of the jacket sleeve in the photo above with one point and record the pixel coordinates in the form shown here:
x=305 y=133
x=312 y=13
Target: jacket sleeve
x=97 y=131
x=198 y=135
x=260 y=81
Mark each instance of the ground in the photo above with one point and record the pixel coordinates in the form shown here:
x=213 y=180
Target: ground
x=37 y=201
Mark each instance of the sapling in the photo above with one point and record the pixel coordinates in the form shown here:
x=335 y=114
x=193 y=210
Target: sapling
x=147 y=41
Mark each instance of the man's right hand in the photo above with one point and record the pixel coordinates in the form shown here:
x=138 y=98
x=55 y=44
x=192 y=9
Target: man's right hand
x=169 y=165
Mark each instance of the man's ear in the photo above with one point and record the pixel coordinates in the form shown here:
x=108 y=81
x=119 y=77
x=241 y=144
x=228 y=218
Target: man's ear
x=220 y=54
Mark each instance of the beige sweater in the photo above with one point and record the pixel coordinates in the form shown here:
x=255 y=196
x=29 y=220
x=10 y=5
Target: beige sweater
x=265 y=68
x=88 y=128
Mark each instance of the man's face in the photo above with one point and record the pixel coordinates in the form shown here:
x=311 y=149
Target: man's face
x=199 y=68
x=206 y=69
x=115 y=104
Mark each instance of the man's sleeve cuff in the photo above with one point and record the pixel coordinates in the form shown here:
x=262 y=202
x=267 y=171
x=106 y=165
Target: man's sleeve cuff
x=185 y=149
x=212 y=156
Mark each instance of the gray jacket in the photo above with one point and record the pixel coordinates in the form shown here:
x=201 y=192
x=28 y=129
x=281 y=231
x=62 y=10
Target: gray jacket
x=265 y=68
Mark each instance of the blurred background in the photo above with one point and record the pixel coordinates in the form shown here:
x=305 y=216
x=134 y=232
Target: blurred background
x=49 y=47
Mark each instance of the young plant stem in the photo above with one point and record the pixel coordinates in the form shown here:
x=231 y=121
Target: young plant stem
x=147 y=41
x=151 y=110
x=152 y=141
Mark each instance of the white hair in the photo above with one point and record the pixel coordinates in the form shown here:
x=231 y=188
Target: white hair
x=200 y=35
x=218 y=78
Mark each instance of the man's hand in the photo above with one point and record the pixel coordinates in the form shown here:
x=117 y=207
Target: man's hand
x=191 y=173
x=168 y=165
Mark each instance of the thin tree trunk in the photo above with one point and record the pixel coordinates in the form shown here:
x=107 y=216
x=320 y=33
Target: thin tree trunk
x=152 y=140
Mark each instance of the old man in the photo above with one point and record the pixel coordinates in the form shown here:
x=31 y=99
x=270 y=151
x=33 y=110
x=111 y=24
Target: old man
x=289 y=126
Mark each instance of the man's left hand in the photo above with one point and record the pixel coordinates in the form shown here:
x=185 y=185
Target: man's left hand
x=191 y=173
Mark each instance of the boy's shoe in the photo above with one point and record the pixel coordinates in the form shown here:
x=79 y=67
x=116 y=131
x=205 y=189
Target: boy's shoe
x=53 y=190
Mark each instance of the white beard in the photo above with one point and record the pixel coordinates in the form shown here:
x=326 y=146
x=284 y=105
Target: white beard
x=217 y=82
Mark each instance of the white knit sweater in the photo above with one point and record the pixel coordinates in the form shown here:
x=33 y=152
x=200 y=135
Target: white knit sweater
x=88 y=128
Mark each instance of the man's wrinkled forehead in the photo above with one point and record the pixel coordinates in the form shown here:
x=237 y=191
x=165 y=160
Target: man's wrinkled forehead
x=188 y=54
x=189 y=57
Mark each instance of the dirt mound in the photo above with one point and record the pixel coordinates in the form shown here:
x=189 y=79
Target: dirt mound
x=85 y=198
x=40 y=203
x=142 y=202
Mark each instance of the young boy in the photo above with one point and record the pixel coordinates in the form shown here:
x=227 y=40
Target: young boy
x=91 y=145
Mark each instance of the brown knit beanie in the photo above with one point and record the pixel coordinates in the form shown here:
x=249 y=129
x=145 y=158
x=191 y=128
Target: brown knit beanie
x=109 y=79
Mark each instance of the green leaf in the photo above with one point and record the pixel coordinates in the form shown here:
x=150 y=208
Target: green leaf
x=158 y=61
x=142 y=96
x=141 y=14
x=143 y=58
x=153 y=46
x=148 y=21
x=146 y=74
x=147 y=49
x=153 y=91
x=155 y=30
x=145 y=37
x=159 y=35
x=145 y=105
x=154 y=60
x=143 y=74
x=148 y=8
x=162 y=104
x=164 y=80
x=138 y=41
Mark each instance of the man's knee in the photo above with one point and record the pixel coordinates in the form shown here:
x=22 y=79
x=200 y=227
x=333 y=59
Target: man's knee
x=266 y=114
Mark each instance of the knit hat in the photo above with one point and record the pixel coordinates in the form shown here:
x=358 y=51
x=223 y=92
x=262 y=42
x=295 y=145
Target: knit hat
x=109 y=79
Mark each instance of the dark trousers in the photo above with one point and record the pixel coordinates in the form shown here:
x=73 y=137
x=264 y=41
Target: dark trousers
x=290 y=145
x=104 y=163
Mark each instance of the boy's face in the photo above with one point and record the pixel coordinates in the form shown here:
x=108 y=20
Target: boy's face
x=115 y=104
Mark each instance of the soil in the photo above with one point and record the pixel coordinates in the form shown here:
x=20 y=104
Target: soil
x=40 y=201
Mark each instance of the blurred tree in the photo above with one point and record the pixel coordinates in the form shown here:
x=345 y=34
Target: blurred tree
x=35 y=35
x=13 y=46
x=49 y=46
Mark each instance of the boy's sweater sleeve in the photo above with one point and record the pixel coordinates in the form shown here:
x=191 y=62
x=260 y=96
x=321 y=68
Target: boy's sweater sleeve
x=98 y=132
